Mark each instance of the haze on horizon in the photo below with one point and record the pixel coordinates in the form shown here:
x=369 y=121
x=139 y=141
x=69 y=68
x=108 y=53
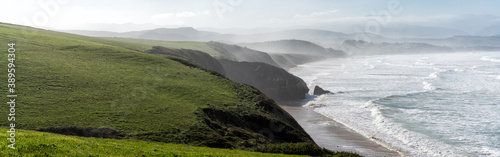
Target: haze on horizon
x=469 y=17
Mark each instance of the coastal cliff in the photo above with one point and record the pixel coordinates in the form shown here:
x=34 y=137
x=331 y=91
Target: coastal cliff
x=242 y=54
x=194 y=56
x=272 y=81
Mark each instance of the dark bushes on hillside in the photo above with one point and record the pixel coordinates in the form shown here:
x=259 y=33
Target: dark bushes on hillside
x=302 y=149
x=84 y=131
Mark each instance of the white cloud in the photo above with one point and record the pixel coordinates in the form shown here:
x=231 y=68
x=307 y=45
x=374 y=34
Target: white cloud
x=316 y=14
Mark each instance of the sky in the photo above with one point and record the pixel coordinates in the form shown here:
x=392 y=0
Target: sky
x=127 y=15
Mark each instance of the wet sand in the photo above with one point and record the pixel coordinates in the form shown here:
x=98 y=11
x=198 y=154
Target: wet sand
x=332 y=135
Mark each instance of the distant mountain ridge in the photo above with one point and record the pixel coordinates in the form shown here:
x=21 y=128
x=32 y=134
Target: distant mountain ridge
x=293 y=46
x=168 y=34
x=312 y=39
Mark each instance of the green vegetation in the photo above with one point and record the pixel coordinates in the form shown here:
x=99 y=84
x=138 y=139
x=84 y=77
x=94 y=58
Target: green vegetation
x=26 y=31
x=193 y=45
x=107 y=86
x=33 y=143
x=193 y=56
x=302 y=148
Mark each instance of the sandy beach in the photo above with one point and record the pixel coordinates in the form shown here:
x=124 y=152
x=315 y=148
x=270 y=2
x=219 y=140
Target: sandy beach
x=332 y=135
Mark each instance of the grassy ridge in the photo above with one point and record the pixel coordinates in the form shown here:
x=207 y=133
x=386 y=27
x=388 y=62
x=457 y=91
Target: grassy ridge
x=193 y=45
x=33 y=143
x=28 y=31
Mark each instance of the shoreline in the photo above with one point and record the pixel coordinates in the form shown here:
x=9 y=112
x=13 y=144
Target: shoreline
x=333 y=135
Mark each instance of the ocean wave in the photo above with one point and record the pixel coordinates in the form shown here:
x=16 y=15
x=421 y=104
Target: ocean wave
x=489 y=59
x=394 y=136
x=428 y=86
x=315 y=101
x=417 y=144
x=459 y=70
x=381 y=111
x=422 y=63
x=434 y=75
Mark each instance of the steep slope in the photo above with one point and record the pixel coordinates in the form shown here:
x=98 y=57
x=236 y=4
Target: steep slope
x=63 y=82
x=287 y=61
x=275 y=82
x=194 y=56
x=288 y=47
x=193 y=45
x=242 y=54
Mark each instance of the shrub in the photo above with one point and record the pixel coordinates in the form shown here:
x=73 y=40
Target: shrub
x=302 y=149
x=84 y=131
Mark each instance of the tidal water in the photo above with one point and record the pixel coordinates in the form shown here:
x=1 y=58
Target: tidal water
x=420 y=105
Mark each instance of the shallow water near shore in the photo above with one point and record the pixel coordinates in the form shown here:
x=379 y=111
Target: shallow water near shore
x=332 y=135
x=422 y=105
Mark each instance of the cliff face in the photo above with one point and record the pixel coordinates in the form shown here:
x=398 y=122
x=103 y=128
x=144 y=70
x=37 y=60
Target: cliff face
x=243 y=126
x=242 y=54
x=250 y=126
x=287 y=61
x=194 y=56
x=272 y=81
x=275 y=82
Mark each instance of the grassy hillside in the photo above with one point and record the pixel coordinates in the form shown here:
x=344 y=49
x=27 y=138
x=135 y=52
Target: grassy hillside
x=242 y=54
x=25 y=31
x=74 y=79
x=33 y=143
x=194 y=56
x=193 y=45
x=67 y=82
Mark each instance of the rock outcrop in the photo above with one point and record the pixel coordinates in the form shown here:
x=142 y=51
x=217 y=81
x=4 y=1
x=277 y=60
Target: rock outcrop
x=320 y=91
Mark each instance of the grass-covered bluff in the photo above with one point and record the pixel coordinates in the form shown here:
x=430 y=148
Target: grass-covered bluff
x=66 y=82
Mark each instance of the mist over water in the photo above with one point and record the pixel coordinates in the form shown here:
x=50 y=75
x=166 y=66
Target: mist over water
x=421 y=105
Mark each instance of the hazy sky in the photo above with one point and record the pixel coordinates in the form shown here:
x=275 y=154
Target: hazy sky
x=89 y=14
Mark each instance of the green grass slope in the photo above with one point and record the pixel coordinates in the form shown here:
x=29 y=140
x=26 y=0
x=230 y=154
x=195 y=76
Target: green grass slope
x=25 y=31
x=72 y=80
x=193 y=45
x=33 y=143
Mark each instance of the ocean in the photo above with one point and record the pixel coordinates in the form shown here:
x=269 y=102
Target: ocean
x=419 y=105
